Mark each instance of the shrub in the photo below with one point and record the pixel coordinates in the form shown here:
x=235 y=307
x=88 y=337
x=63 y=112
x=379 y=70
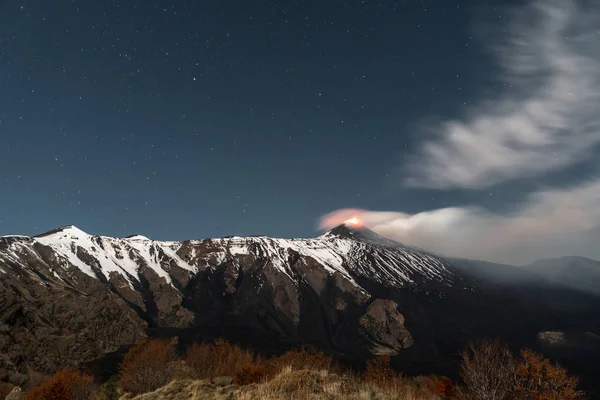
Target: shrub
x=443 y=387
x=145 y=367
x=253 y=373
x=379 y=372
x=299 y=359
x=227 y=358
x=220 y=359
x=198 y=358
x=67 y=384
x=488 y=371
x=538 y=378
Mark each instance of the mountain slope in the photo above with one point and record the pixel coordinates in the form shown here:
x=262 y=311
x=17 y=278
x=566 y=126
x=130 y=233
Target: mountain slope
x=579 y=273
x=295 y=290
x=349 y=290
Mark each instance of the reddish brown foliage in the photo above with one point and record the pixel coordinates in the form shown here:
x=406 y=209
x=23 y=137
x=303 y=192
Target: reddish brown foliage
x=443 y=387
x=219 y=359
x=253 y=373
x=146 y=366
x=302 y=358
x=538 y=378
x=491 y=371
x=379 y=372
x=68 y=384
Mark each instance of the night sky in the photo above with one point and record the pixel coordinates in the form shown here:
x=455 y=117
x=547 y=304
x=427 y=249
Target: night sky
x=211 y=118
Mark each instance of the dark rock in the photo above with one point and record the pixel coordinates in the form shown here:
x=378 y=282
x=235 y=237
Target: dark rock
x=382 y=326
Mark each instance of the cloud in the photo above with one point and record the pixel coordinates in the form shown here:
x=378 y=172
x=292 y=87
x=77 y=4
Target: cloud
x=546 y=120
x=547 y=117
x=547 y=224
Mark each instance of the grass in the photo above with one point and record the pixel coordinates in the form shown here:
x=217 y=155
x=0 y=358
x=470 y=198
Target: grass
x=290 y=384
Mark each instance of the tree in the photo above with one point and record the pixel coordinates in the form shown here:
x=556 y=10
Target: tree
x=488 y=371
x=537 y=378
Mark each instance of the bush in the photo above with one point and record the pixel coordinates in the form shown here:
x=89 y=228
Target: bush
x=253 y=373
x=443 y=387
x=145 y=367
x=220 y=359
x=488 y=371
x=198 y=358
x=538 y=378
x=299 y=359
x=379 y=372
x=67 y=384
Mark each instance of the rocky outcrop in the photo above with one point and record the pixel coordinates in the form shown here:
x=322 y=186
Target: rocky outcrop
x=382 y=328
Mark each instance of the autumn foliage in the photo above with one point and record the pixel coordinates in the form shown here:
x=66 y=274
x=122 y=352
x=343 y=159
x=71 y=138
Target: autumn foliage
x=379 y=372
x=304 y=358
x=490 y=371
x=146 y=366
x=254 y=373
x=540 y=379
x=443 y=387
x=219 y=359
x=67 y=384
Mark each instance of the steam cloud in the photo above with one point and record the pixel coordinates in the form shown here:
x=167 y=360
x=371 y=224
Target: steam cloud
x=548 y=224
x=547 y=120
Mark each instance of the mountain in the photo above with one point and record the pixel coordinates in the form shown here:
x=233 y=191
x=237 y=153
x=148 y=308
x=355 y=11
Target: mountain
x=70 y=297
x=579 y=273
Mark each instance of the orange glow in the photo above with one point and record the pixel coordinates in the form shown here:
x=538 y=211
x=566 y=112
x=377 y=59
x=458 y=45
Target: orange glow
x=353 y=221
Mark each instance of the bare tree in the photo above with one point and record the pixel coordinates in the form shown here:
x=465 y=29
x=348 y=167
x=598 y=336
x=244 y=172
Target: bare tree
x=488 y=371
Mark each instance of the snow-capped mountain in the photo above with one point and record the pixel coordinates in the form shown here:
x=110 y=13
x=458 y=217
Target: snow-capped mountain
x=68 y=296
x=349 y=252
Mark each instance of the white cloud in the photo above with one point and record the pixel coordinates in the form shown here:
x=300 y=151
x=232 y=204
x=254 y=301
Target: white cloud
x=548 y=116
x=548 y=224
x=546 y=119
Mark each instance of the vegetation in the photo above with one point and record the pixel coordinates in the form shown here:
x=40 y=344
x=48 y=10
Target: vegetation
x=490 y=371
x=152 y=370
x=146 y=367
x=67 y=384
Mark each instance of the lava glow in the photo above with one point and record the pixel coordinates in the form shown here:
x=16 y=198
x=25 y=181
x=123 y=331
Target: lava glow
x=353 y=221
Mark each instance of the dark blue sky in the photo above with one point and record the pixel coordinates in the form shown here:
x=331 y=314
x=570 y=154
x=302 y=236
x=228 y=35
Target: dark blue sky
x=212 y=118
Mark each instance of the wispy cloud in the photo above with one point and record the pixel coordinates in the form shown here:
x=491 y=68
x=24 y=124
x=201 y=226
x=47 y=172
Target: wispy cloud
x=547 y=117
x=546 y=225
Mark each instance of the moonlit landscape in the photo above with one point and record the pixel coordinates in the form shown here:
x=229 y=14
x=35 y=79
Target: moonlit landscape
x=230 y=199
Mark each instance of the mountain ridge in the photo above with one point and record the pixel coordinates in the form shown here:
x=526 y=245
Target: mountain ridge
x=348 y=290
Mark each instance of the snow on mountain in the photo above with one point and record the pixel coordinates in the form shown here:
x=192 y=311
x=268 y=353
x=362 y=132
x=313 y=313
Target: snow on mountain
x=352 y=253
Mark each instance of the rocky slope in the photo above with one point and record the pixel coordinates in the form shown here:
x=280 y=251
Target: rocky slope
x=67 y=297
